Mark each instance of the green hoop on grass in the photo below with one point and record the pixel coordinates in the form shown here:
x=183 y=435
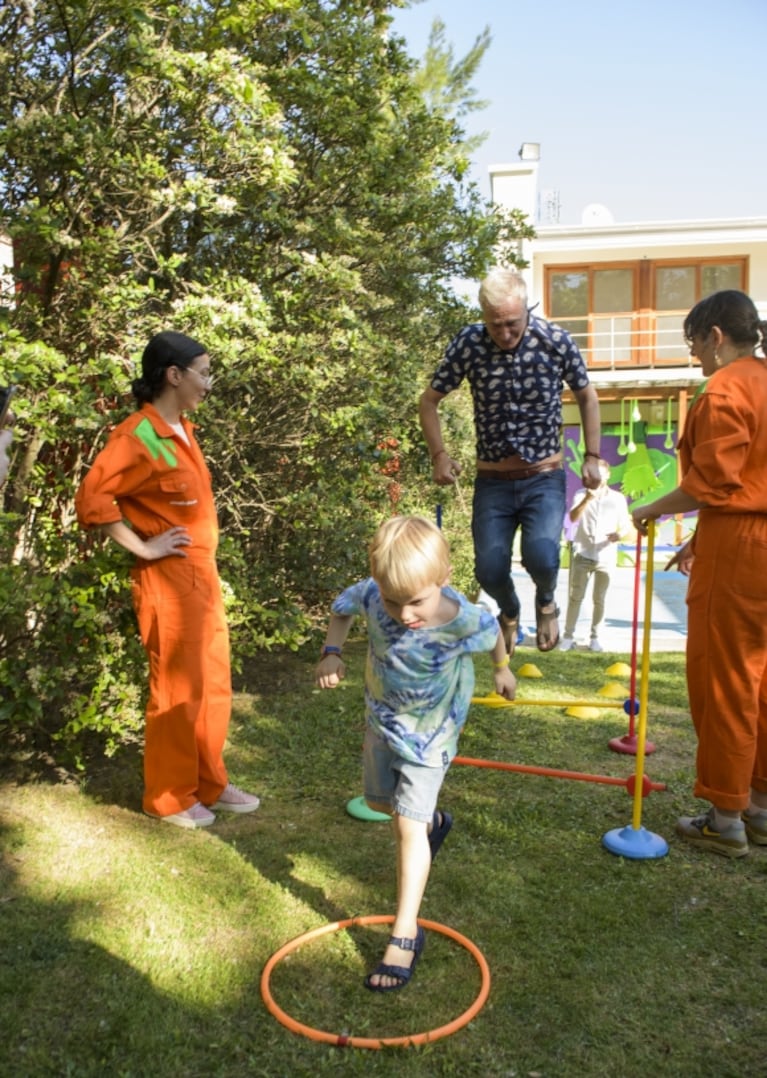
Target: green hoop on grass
x=360 y=810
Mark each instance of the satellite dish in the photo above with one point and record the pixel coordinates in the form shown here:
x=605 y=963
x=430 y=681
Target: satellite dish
x=596 y=214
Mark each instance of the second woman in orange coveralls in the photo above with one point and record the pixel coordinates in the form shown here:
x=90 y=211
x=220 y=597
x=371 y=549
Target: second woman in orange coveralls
x=149 y=489
x=723 y=456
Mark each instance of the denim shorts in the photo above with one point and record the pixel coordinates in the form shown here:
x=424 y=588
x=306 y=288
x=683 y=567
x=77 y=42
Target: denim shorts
x=410 y=789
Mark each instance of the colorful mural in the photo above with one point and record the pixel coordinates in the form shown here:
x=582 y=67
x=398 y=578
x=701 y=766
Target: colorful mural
x=643 y=465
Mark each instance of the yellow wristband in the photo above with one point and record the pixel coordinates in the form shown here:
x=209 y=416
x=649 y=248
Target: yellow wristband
x=502 y=664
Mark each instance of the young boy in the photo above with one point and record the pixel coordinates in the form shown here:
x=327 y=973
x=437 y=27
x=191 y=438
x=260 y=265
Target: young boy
x=419 y=681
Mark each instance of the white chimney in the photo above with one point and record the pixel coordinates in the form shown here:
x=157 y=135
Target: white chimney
x=515 y=186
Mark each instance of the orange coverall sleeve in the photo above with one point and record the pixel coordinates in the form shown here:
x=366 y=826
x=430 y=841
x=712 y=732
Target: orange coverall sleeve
x=720 y=454
x=117 y=471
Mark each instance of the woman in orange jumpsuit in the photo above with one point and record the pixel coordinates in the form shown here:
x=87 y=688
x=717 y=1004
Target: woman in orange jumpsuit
x=149 y=489
x=723 y=456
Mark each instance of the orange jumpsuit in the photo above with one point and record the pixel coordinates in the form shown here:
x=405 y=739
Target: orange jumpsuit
x=724 y=463
x=148 y=476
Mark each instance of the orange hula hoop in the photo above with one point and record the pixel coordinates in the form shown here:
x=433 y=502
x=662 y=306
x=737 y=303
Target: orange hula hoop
x=341 y=1040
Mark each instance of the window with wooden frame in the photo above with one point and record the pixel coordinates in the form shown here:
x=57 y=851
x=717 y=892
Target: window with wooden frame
x=630 y=314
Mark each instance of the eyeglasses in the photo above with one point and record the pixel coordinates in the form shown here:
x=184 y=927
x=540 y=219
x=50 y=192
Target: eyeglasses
x=205 y=376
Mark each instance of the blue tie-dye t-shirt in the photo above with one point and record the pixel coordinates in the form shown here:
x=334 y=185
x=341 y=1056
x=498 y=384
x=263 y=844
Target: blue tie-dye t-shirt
x=419 y=682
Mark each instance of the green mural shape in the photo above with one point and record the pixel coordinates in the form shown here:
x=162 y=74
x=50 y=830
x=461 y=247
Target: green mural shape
x=639 y=473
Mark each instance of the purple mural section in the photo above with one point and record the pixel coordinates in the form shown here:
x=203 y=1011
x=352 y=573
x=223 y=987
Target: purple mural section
x=643 y=466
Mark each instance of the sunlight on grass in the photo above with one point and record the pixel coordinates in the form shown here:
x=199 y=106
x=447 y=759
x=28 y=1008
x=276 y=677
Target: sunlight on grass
x=178 y=907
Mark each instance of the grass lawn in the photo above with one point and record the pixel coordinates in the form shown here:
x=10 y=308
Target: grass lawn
x=131 y=948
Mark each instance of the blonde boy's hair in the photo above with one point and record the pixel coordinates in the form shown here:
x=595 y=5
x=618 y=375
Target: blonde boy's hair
x=406 y=554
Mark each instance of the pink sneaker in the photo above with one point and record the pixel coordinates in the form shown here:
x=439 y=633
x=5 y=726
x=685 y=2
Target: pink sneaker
x=233 y=799
x=195 y=816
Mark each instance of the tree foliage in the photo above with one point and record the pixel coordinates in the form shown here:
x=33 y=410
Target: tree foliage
x=272 y=177
x=445 y=82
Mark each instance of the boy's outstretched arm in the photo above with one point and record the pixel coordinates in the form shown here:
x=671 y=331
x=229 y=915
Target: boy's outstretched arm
x=331 y=668
x=505 y=682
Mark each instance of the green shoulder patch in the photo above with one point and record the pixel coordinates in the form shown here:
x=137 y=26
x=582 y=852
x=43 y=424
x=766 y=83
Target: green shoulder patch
x=156 y=445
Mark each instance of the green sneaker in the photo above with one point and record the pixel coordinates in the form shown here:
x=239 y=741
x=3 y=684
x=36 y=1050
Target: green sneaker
x=756 y=827
x=700 y=831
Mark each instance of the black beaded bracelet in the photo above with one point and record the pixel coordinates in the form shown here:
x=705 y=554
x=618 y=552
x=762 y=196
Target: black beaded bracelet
x=588 y=453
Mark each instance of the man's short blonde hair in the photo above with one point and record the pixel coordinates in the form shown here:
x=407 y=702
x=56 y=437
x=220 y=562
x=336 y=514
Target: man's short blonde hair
x=407 y=554
x=500 y=286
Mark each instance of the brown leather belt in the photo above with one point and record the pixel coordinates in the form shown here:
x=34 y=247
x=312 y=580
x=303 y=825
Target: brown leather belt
x=519 y=473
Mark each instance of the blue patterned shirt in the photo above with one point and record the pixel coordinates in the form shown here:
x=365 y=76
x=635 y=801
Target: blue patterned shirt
x=517 y=395
x=419 y=682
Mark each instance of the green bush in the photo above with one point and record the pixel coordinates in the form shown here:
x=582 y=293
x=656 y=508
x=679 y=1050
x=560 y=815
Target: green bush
x=72 y=669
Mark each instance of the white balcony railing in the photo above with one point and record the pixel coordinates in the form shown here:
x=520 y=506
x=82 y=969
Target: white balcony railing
x=651 y=339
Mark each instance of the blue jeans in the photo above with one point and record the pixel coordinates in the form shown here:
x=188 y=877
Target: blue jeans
x=501 y=506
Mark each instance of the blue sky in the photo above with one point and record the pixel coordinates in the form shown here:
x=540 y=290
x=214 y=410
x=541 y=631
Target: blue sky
x=656 y=110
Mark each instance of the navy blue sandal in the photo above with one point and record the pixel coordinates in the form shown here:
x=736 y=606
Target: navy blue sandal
x=402 y=973
x=440 y=826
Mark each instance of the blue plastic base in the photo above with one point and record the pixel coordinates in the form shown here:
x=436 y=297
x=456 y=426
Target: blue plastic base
x=637 y=844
